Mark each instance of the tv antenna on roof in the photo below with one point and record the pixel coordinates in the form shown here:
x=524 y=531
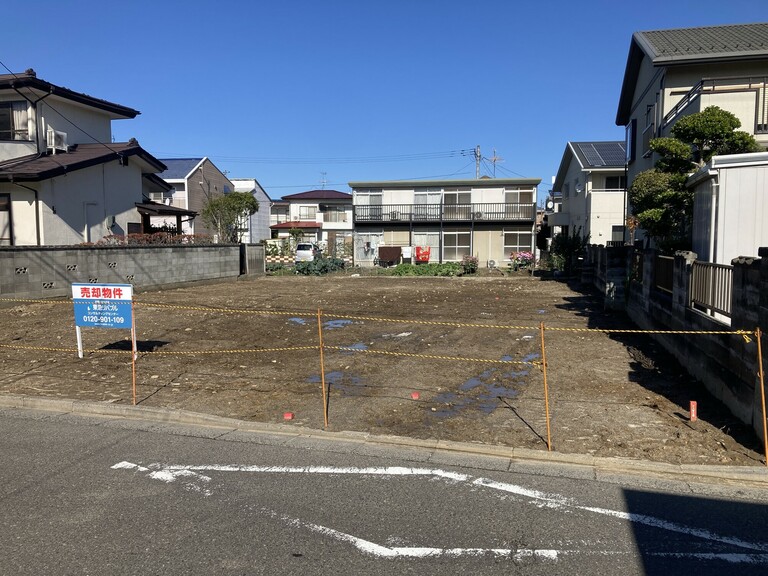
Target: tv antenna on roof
x=495 y=159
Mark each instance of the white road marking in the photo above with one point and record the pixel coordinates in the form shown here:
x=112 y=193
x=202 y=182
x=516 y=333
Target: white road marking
x=558 y=501
x=193 y=480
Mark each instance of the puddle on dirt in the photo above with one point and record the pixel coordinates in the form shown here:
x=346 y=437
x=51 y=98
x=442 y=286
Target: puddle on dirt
x=356 y=346
x=331 y=324
x=482 y=392
x=346 y=384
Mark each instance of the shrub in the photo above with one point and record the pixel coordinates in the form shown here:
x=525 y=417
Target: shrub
x=469 y=264
x=319 y=266
x=157 y=238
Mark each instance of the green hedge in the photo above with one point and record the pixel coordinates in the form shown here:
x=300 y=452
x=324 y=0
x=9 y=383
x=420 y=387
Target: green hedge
x=446 y=269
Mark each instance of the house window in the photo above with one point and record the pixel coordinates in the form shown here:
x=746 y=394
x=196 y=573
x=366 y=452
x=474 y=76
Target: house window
x=615 y=182
x=617 y=234
x=518 y=204
x=456 y=244
x=429 y=238
x=518 y=196
x=333 y=213
x=457 y=204
x=13 y=121
x=367 y=244
x=517 y=240
x=629 y=140
x=308 y=213
x=5 y=220
x=427 y=203
x=369 y=201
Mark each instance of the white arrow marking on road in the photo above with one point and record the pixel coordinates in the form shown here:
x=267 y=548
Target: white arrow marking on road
x=190 y=475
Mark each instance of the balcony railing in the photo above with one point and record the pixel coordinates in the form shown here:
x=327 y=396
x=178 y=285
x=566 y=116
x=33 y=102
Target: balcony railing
x=404 y=213
x=756 y=84
x=711 y=286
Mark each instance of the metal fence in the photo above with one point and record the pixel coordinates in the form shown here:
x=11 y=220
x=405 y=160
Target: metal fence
x=711 y=287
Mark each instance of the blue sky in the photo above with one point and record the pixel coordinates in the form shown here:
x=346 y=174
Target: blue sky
x=302 y=94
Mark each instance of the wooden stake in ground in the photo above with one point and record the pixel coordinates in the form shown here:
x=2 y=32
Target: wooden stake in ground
x=546 y=391
x=759 y=335
x=322 y=367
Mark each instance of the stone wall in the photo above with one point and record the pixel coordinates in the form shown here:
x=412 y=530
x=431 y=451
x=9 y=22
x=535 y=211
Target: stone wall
x=726 y=364
x=48 y=272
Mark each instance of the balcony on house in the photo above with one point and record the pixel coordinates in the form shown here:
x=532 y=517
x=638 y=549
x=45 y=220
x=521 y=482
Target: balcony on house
x=419 y=213
x=744 y=93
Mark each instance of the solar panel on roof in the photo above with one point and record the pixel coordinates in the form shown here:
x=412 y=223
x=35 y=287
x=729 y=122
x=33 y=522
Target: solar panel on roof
x=592 y=156
x=612 y=153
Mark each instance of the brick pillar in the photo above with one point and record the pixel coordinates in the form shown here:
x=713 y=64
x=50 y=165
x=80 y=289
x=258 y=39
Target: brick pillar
x=681 y=285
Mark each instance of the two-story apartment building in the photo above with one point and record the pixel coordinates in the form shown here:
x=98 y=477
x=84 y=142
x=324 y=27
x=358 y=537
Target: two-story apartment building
x=591 y=183
x=62 y=179
x=489 y=218
x=323 y=216
x=672 y=73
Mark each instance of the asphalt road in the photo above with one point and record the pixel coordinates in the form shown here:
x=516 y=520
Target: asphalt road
x=96 y=495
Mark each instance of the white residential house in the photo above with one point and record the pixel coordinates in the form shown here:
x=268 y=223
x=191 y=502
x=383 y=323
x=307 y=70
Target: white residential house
x=194 y=182
x=673 y=73
x=490 y=218
x=591 y=182
x=323 y=216
x=258 y=223
x=63 y=180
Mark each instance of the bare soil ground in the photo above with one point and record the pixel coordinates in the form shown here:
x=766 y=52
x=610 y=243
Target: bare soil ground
x=446 y=358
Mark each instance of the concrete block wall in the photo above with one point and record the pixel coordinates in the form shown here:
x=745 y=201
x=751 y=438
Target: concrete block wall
x=726 y=364
x=48 y=272
x=606 y=269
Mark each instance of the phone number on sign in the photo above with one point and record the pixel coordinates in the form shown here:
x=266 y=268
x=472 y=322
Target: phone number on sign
x=104 y=319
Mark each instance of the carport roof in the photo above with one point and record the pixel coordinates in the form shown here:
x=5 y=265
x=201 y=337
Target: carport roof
x=289 y=225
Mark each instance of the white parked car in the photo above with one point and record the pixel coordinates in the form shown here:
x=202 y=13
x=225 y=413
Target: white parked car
x=306 y=252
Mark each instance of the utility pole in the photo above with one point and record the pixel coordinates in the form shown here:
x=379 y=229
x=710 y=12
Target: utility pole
x=478 y=157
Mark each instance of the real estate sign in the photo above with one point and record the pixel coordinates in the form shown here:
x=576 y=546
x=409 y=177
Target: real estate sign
x=103 y=305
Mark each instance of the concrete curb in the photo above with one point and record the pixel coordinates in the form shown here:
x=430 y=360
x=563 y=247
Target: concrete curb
x=753 y=475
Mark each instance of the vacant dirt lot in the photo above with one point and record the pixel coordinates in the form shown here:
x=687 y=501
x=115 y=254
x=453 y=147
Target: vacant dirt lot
x=449 y=358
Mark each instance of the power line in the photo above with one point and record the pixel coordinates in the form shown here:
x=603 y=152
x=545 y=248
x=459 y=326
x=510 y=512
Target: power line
x=96 y=140
x=327 y=160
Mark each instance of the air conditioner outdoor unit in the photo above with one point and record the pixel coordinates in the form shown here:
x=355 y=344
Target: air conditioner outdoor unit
x=478 y=215
x=56 y=140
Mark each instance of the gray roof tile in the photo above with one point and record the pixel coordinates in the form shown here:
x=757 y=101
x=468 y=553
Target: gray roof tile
x=711 y=41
